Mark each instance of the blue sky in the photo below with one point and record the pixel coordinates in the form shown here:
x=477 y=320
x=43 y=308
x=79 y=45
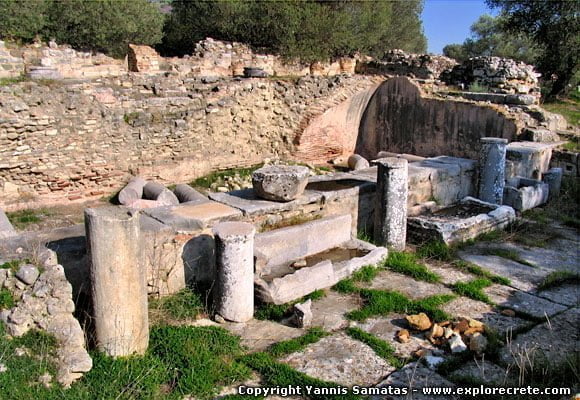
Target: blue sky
x=448 y=21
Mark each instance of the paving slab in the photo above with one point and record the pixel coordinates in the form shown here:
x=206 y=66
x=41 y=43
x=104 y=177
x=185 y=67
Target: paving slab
x=415 y=376
x=522 y=276
x=449 y=274
x=249 y=203
x=340 y=359
x=258 y=335
x=410 y=287
x=567 y=294
x=505 y=296
x=554 y=342
x=485 y=372
x=386 y=328
x=193 y=216
x=469 y=308
x=328 y=312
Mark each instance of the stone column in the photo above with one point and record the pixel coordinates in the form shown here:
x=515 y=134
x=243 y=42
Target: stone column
x=133 y=191
x=492 y=169
x=118 y=283
x=234 y=297
x=391 y=202
x=554 y=180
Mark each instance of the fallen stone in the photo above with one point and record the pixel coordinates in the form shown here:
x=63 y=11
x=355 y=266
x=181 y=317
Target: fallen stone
x=456 y=344
x=356 y=162
x=477 y=343
x=156 y=191
x=419 y=322
x=280 y=182
x=433 y=361
x=484 y=371
x=508 y=312
x=340 y=359
x=435 y=332
x=28 y=274
x=132 y=192
x=302 y=317
x=6 y=228
x=403 y=336
x=186 y=193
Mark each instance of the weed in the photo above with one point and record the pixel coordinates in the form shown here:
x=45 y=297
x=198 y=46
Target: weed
x=276 y=312
x=293 y=345
x=183 y=305
x=476 y=87
x=381 y=348
x=218 y=176
x=346 y=286
x=12 y=81
x=473 y=289
x=558 y=278
x=406 y=263
x=6 y=299
x=365 y=274
x=21 y=219
x=365 y=236
x=477 y=270
x=13 y=265
x=382 y=302
x=437 y=250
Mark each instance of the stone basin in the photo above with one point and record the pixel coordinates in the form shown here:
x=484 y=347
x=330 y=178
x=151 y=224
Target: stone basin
x=324 y=251
x=466 y=220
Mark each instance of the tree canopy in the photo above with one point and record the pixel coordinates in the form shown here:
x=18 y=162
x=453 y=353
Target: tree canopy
x=554 y=26
x=306 y=29
x=488 y=39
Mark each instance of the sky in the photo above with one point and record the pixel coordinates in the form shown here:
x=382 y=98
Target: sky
x=448 y=21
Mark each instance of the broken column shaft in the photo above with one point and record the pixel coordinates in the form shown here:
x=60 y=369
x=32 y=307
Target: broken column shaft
x=118 y=283
x=391 y=202
x=235 y=270
x=492 y=169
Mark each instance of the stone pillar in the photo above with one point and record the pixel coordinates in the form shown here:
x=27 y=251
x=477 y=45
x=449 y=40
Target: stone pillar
x=492 y=169
x=554 y=180
x=391 y=202
x=118 y=283
x=234 y=296
x=133 y=191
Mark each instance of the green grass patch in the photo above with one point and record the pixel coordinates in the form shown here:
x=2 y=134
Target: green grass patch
x=406 y=263
x=569 y=108
x=12 y=81
x=6 y=299
x=276 y=312
x=13 y=265
x=508 y=254
x=365 y=274
x=21 y=219
x=381 y=348
x=220 y=176
x=473 y=289
x=383 y=302
x=293 y=345
x=559 y=278
x=437 y=250
x=477 y=270
x=365 y=236
x=181 y=306
x=275 y=373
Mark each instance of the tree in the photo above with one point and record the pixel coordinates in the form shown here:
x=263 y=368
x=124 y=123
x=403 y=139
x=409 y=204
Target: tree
x=22 y=20
x=104 y=25
x=307 y=29
x=554 y=26
x=488 y=39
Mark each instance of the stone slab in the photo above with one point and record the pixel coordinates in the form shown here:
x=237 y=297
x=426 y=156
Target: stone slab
x=194 y=216
x=250 y=204
x=258 y=335
x=505 y=296
x=555 y=341
x=522 y=277
x=449 y=274
x=328 y=312
x=485 y=372
x=567 y=294
x=414 y=289
x=414 y=376
x=340 y=359
x=386 y=328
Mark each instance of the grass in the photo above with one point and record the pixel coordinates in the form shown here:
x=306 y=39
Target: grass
x=508 y=254
x=383 y=349
x=559 y=278
x=21 y=219
x=568 y=107
x=6 y=299
x=365 y=236
x=437 y=250
x=219 y=176
x=477 y=270
x=12 y=81
x=473 y=289
x=180 y=361
x=181 y=306
x=293 y=345
x=276 y=312
x=406 y=263
x=365 y=274
x=563 y=208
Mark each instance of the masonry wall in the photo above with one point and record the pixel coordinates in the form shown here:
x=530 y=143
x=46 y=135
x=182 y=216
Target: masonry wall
x=64 y=142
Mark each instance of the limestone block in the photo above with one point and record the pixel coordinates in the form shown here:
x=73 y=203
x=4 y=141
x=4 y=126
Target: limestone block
x=280 y=182
x=356 y=162
x=525 y=193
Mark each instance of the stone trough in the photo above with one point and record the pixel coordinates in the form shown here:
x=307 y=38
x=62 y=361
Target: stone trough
x=523 y=194
x=466 y=220
x=295 y=261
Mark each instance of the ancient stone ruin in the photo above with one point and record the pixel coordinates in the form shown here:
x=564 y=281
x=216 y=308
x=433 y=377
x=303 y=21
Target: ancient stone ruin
x=395 y=149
